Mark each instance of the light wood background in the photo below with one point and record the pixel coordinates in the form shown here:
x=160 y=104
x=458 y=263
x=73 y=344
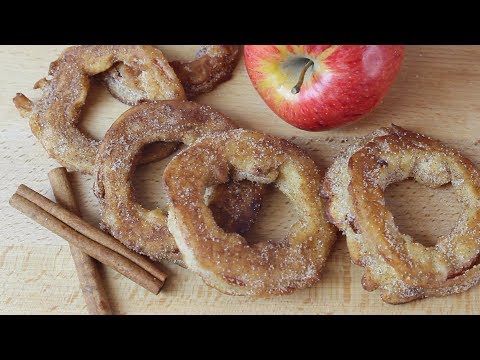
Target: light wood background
x=437 y=93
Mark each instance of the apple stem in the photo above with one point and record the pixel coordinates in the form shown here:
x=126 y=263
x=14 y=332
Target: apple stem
x=298 y=85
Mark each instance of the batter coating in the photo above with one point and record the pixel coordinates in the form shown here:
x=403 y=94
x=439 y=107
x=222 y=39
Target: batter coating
x=53 y=118
x=402 y=269
x=225 y=260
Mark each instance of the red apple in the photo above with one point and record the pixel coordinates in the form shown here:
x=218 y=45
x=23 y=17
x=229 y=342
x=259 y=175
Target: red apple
x=341 y=83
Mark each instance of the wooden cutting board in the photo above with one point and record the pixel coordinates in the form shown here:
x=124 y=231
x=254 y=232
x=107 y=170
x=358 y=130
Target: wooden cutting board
x=436 y=93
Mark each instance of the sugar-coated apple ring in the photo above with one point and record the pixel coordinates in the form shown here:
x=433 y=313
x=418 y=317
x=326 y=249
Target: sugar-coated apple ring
x=144 y=230
x=53 y=118
x=403 y=269
x=213 y=64
x=225 y=260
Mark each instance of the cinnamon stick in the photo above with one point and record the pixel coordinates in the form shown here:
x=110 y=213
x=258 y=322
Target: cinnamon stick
x=96 y=250
x=89 y=231
x=88 y=272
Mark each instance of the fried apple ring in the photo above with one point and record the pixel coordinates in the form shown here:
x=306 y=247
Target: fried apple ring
x=402 y=269
x=54 y=116
x=213 y=64
x=143 y=230
x=224 y=260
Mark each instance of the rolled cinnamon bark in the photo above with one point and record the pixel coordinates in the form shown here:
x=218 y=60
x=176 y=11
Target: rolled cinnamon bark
x=96 y=250
x=89 y=231
x=88 y=272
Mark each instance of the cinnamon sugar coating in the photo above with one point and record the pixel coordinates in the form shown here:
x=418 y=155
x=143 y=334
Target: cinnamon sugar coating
x=213 y=64
x=402 y=269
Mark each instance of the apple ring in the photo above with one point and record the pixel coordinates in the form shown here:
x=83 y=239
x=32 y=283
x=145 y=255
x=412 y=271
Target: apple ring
x=213 y=65
x=402 y=269
x=54 y=116
x=143 y=230
x=226 y=261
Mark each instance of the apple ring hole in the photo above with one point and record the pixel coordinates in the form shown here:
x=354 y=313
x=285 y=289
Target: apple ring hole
x=275 y=218
x=101 y=109
x=148 y=184
x=413 y=205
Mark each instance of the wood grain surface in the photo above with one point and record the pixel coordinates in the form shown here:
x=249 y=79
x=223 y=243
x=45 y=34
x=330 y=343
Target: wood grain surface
x=436 y=93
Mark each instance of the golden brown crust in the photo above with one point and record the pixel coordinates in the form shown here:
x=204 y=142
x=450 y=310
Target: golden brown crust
x=53 y=118
x=138 y=228
x=403 y=269
x=225 y=260
x=213 y=64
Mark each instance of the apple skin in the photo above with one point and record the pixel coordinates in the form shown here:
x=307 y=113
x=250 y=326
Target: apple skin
x=345 y=83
